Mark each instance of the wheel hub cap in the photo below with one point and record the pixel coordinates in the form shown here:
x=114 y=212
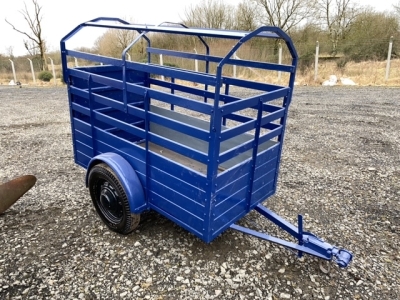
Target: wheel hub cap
x=109 y=198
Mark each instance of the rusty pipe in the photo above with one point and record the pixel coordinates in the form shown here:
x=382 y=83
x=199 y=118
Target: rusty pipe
x=14 y=189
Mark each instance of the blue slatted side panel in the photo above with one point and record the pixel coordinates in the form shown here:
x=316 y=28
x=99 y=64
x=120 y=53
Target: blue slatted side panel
x=231 y=202
x=177 y=192
x=83 y=138
x=82 y=126
x=134 y=154
x=170 y=203
x=265 y=175
x=232 y=188
x=82 y=132
x=180 y=185
x=265 y=156
x=263 y=186
x=232 y=192
x=82 y=159
x=84 y=149
x=83 y=142
x=197 y=180
x=169 y=191
x=186 y=219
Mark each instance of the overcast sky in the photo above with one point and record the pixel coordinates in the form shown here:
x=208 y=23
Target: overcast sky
x=60 y=17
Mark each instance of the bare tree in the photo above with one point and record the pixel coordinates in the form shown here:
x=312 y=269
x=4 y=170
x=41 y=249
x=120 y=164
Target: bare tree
x=336 y=16
x=397 y=8
x=114 y=41
x=285 y=14
x=210 y=14
x=105 y=44
x=124 y=37
x=35 y=41
x=247 y=16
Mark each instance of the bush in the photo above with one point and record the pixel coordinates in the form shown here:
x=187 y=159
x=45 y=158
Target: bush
x=341 y=64
x=306 y=61
x=45 y=76
x=369 y=36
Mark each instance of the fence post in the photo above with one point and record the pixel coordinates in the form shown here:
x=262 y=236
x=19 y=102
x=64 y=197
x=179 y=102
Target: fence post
x=13 y=69
x=54 y=73
x=234 y=66
x=388 y=59
x=316 y=61
x=100 y=62
x=280 y=61
x=33 y=72
x=129 y=56
x=162 y=63
x=196 y=62
x=76 y=62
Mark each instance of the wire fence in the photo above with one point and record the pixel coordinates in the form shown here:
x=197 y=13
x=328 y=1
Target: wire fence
x=315 y=58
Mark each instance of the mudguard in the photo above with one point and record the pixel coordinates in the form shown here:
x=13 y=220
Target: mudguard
x=126 y=175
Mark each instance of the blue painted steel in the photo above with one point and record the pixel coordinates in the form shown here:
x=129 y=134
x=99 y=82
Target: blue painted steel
x=266 y=32
x=217 y=59
x=192 y=91
x=202 y=173
x=147 y=130
x=127 y=177
x=308 y=243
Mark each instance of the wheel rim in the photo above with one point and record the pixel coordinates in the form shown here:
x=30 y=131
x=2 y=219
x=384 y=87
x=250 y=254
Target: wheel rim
x=110 y=203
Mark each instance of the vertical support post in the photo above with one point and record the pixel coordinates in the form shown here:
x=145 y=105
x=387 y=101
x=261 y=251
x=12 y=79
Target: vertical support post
x=388 y=59
x=316 y=61
x=147 y=128
x=254 y=155
x=234 y=66
x=54 y=72
x=129 y=56
x=33 y=72
x=300 y=233
x=92 y=115
x=162 y=63
x=76 y=62
x=13 y=69
x=280 y=61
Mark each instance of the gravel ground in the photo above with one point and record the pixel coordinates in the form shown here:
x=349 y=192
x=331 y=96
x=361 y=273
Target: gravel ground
x=340 y=169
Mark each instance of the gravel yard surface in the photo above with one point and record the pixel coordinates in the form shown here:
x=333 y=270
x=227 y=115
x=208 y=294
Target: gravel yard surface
x=340 y=169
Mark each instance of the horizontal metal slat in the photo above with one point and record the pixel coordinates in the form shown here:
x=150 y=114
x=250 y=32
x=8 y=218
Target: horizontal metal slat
x=81 y=109
x=119 y=124
x=94 y=57
x=108 y=101
x=192 y=91
x=174 y=73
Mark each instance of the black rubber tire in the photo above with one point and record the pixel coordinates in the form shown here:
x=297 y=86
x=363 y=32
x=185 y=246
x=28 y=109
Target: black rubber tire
x=116 y=214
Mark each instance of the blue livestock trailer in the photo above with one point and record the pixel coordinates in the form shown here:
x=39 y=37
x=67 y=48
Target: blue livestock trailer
x=182 y=142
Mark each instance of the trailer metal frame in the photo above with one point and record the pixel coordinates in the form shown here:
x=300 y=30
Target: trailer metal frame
x=204 y=175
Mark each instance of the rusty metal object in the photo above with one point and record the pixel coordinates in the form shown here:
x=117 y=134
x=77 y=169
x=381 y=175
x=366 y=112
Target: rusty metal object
x=12 y=190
